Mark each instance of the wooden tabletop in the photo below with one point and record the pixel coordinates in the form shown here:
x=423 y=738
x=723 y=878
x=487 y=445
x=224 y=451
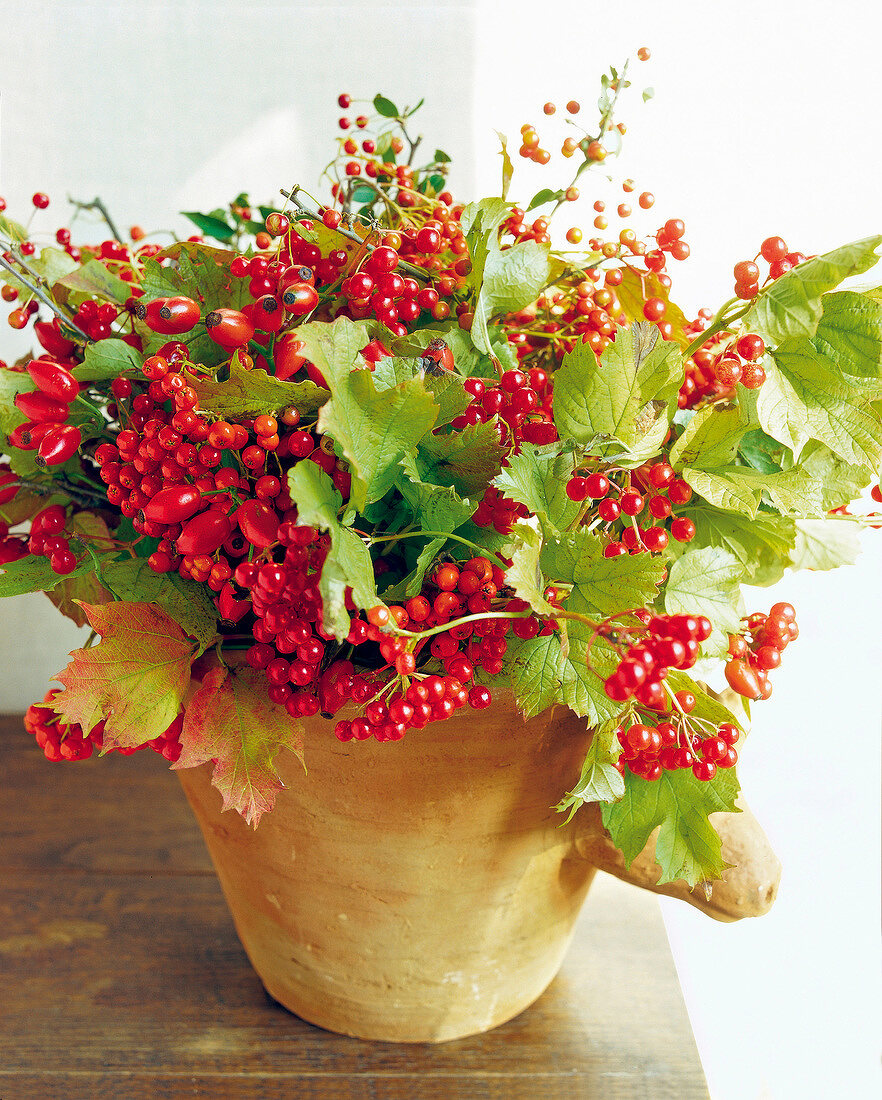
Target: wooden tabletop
x=121 y=976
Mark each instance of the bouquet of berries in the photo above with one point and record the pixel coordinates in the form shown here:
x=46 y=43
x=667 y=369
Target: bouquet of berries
x=379 y=457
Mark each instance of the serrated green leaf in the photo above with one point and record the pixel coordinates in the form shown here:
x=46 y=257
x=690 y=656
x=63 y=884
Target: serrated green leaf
x=375 y=429
x=348 y=566
x=710 y=438
x=825 y=544
x=107 y=359
x=762 y=545
x=543 y=673
x=187 y=602
x=35 y=574
x=601 y=586
x=600 y=780
x=761 y=451
x=96 y=281
x=203 y=273
x=537 y=477
x=791 y=305
x=687 y=846
x=849 y=333
x=706 y=582
x=252 y=392
x=210 y=225
x=524 y=574
x=805 y=396
x=435 y=507
x=466 y=460
x=610 y=398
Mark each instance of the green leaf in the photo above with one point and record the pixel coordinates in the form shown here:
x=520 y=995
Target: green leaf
x=849 y=333
x=374 y=428
x=739 y=489
x=385 y=107
x=761 y=451
x=542 y=197
x=203 y=273
x=95 y=281
x=543 y=672
x=524 y=574
x=762 y=545
x=507 y=166
x=706 y=582
x=707 y=707
x=600 y=780
x=537 y=477
x=710 y=438
x=211 y=226
x=610 y=398
x=11 y=230
x=468 y=460
x=687 y=845
x=805 y=396
x=480 y=223
x=601 y=586
x=364 y=193
x=435 y=507
x=252 y=392
x=348 y=565
x=513 y=278
x=187 y=602
x=107 y=359
x=791 y=305
x=648 y=93
x=825 y=544
x=33 y=574
x=440 y=156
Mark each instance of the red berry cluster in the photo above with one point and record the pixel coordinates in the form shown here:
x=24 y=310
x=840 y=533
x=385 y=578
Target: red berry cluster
x=67 y=741
x=714 y=369
x=774 y=251
x=665 y=641
x=47 y=539
x=648 y=750
x=653 y=491
x=757 y=650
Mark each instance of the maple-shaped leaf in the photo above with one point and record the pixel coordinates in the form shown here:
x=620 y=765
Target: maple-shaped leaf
x=232 y=721
x=135 y=677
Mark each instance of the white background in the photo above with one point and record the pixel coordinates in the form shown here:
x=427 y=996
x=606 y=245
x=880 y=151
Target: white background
x=764 y=121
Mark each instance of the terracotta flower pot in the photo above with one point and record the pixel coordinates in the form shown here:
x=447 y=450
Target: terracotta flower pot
x=417 y=891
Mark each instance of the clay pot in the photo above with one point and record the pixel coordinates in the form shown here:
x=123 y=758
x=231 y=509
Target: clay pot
x=422 y=890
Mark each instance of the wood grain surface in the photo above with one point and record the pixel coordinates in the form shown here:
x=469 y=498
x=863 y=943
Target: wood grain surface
x=121 y=976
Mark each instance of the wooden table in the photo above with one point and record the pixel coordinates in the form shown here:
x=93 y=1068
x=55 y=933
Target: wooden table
x=121 y=976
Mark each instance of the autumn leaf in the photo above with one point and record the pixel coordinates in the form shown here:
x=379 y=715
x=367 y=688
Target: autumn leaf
x=231 y=721
x=135 y=677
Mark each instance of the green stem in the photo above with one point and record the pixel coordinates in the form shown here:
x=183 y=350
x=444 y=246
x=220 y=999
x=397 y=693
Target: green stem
x=38 y=293
x=721 y=321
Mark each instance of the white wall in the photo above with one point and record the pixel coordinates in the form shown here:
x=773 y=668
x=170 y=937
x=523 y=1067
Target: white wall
x=764 y=122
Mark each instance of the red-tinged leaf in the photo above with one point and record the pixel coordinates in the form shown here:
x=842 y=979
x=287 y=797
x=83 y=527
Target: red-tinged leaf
x=232 y=721
x=135 y=677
